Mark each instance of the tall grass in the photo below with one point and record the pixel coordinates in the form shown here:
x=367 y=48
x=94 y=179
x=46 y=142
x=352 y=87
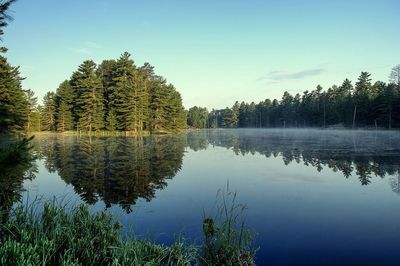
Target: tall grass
x=228 y=241
x=53 y=236
x=53 y=233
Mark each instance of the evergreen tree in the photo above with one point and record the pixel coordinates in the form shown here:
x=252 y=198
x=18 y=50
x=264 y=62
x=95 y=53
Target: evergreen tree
x=105 y=71
x=88 y=98
x=32 y=107
x=229 y=118
x=14 y=106
x=175 y=110
x=49 y=111
x=4 y=18
x=111 y=121
x=158 y=104
x=123 y=99
x=361 y=98
x=144 y=79
x=64 y=100
x=197 y=117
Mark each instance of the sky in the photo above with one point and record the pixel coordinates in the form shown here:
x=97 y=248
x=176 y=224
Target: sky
x=214 y=52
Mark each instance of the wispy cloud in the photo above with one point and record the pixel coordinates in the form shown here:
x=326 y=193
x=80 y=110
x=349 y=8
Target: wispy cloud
x=275 y=76
x=84 y=51
x=88 y=48
x=93 y=45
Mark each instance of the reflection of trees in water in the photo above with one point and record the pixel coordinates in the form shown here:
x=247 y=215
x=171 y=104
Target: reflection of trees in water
x=16 y=166
x=395 y=183
x=365 y=154
x=116 y=170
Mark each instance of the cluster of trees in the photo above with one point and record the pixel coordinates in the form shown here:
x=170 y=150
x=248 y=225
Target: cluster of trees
x=362 y=105
x=114 y=95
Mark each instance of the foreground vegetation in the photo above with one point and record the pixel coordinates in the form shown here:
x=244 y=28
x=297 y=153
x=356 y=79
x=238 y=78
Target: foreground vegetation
x=52 y=233
x=57 y=235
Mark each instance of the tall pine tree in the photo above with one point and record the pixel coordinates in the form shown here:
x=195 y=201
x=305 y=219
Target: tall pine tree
x=88 y=98
x=64 y=99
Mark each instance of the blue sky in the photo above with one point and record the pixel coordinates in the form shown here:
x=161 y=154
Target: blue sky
x=214 y=52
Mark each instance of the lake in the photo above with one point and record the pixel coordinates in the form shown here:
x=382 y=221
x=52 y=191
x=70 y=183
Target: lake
x=314 y=197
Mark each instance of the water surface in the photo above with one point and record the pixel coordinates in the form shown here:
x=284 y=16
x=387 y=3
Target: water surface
x=315 y=197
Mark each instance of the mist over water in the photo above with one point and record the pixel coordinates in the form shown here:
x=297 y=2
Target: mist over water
x=315 y=197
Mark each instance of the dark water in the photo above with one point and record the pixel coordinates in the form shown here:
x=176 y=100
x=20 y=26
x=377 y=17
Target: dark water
x=315 y=197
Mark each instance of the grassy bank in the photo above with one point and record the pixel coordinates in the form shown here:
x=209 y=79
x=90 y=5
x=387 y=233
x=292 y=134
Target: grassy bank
x=56 y=234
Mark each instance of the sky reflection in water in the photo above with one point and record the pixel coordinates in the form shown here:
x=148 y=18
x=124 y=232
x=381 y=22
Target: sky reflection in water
x=314 y=196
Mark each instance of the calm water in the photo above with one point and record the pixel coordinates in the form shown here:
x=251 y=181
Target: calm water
x=315 y=197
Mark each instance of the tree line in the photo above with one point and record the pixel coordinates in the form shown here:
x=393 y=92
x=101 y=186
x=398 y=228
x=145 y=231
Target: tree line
x=115 y=95
x=364 y=104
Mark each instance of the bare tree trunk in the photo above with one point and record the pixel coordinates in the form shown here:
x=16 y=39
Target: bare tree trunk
x=354 y=116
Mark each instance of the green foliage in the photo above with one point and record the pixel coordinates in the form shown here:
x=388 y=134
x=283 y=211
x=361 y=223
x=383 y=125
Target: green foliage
x=48 y=112
x=4 y=18
x=365 y=105
x=197 y=117
x=88 y=98
x=56 y=234
x=64 y=101
x=32 y=108
x=123 y=97
x=14 y=106
x=57 y=237
x=115 y=95
x=227 y=239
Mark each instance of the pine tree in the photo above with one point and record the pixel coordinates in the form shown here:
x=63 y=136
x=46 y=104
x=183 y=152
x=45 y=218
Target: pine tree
x=174 y=110
x=88 y=98
x=14 y=107
x=111 y=121
x=158 y=105
x=32 y=107
x=197 y=117
x=123 y=98
x=64 y=98
x=361 y=98
x=4 y=18
x=48 y=113
x=144 y=79
x=105 y=71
